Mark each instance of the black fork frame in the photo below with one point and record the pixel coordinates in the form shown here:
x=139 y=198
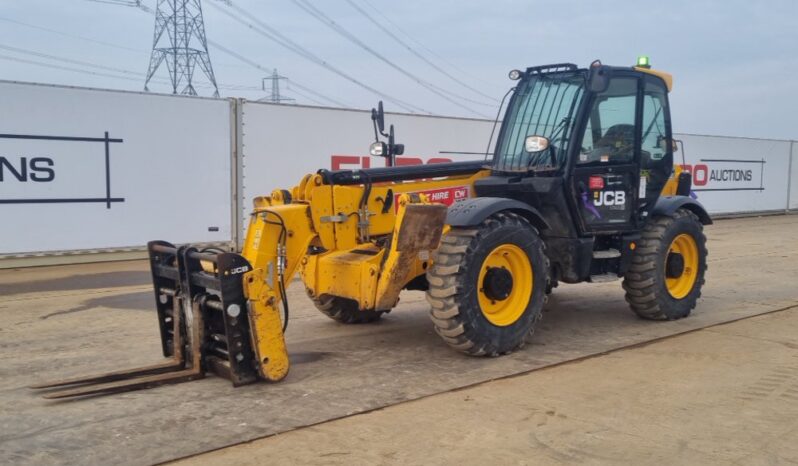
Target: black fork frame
x=203 y=321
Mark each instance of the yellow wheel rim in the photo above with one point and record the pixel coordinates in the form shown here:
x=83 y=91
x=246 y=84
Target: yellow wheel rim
x=503 y=311
x=681 y=286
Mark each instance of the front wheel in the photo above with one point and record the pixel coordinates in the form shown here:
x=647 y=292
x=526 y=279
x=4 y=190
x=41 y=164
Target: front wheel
x=487 y=285
x=667 y=272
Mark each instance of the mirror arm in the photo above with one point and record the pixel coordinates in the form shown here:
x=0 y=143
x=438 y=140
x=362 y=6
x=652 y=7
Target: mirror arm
x=376 y=135
x=381 y=118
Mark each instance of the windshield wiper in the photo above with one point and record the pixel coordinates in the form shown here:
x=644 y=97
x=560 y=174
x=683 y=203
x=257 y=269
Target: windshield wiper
x=498 y=114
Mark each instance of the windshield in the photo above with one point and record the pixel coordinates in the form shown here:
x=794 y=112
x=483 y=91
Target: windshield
x=543 y=105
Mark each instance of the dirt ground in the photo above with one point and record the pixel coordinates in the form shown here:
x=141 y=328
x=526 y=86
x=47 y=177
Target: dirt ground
x=73 y=320
x=724 y=395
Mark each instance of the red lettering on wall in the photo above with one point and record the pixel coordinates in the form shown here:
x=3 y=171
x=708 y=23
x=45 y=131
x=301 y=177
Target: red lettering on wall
x=438 y=160
x=700 y=175
x=352 y=162
x=404 y=161
x=336 y=161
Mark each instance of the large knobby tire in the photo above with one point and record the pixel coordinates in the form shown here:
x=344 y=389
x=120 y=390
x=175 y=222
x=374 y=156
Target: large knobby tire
x=345 y=310
x=474 y=307
x=667 y=272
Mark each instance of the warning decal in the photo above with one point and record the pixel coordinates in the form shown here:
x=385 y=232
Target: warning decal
x=445 y=196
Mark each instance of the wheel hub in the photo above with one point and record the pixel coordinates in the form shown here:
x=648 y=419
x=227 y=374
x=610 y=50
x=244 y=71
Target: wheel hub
x=674 y=267
x=681 y=266
x=498 y=283
x=505 y=284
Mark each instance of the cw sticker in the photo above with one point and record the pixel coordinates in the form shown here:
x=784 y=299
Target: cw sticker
x=445 y=196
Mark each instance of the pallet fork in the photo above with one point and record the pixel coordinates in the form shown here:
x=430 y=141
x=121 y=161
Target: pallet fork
x=203 y=325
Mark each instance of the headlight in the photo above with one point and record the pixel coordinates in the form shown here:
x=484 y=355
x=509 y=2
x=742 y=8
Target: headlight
x=377 y=149
x=515 y=75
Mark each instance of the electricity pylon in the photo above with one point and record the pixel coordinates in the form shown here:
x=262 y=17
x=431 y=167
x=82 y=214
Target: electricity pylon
x=275 y=96
x=179 y=41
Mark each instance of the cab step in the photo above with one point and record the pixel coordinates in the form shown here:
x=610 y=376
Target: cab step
x=607 y=254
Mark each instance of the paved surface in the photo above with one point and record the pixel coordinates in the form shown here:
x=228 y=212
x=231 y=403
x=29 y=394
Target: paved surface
x=66 y=321
x=723 y=395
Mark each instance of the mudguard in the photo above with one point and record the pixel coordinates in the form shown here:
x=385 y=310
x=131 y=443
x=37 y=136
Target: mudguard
x=472 y=212
x=667 y=205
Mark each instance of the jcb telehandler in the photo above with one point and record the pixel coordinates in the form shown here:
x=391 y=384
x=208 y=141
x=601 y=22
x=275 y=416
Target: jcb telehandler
x=581 y=188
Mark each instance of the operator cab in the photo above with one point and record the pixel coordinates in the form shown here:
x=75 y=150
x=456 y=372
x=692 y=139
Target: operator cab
x=591 y=150
x=592 y=142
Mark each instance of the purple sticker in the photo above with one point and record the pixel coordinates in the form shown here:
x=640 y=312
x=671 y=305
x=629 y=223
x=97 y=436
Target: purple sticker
x=589 y=206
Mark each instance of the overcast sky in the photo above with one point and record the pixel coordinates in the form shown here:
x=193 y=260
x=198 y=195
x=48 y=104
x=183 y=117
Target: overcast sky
x=735 y=63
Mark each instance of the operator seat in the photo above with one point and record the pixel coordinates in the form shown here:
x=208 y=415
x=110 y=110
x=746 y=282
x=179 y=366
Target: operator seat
x=620 y=140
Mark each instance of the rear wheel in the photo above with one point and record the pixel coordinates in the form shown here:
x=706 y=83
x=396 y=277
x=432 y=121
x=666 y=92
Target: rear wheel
x=487 y=285
x=345 y=310
x=667 y=272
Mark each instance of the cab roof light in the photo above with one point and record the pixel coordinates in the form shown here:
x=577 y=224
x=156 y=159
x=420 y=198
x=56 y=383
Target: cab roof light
x=643 y=62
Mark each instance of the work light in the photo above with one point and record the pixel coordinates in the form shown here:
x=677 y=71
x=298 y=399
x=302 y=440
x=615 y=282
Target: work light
x=378 y=149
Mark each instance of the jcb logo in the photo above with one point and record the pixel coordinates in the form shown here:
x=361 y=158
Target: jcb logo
x=238 y=270
x=607 y=198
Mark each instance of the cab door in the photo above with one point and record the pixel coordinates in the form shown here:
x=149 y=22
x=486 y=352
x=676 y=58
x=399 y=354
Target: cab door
x=605 y=176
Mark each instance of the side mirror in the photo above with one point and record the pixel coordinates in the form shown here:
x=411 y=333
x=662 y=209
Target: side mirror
x=663 y=144
x=536 y=143
x=599 y=77
x=378 y=116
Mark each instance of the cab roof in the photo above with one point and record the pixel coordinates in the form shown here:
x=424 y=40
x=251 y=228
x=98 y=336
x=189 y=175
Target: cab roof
x=564 y=67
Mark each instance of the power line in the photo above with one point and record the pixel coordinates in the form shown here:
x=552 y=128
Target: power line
x=246 y=62
x=134 y=3
x=285 y=42
x=288 y=86
x=293 y=84
x=318 y=14
x=263 y=68
x=67 y=68
x=68 y=60
x=416 y=53
x=275 y=36
x=397 y=27
x=128 y=74
x=95 y=41
x=256 y=65
x=73 y=36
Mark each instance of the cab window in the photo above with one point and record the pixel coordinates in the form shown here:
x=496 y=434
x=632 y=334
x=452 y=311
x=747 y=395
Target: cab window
x=656 y=157
x=609 y=137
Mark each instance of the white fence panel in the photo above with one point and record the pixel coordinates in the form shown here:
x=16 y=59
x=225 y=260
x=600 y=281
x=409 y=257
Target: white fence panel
x=737 y=175
x=794 y=176
x=281 y=143
x=89 y=169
